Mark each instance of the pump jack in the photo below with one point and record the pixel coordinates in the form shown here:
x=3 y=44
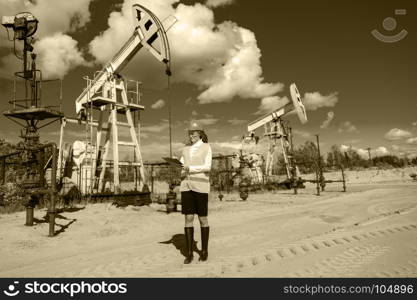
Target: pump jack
x=277 y=129
x=102 y=94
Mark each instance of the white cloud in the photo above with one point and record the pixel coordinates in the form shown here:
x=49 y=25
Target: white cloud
x=270 y=104
x=411 y=141
x=55 y=19
x=381 y=151
x=217 y=3
x=206 y=121
x=408 y=150
x=414 y=124
x=395 y=147
x=54 y=16
x=347 y=127
x=164 y=125
x=158 y=104
x=194 y=113
x=57 y=55
x=362 y=153
x=223 y=60
x=326 y=123
x=396 y=134
x=315 y=100
x=236 y=122
x=344 y=148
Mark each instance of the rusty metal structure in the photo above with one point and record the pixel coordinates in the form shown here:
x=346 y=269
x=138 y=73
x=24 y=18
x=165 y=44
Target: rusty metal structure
x=106 y=97
x=224 y=180
x=107 y=92
x=320 y=180
x=278 y=129
x=29 y=112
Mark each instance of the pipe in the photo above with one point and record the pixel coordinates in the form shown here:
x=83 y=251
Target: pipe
x=317 y=183
x=41 y=170
x=52 y=191
x=319 y=164
x=3 y=171
x=343 y=177
x=227 y=175
x=152 y=178
x=29 y=216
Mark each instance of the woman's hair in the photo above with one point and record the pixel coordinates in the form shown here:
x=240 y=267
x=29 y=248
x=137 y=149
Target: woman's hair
x=202 y=134
x=203 y=137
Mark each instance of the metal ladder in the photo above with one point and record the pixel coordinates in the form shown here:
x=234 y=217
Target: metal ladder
x=108 y=130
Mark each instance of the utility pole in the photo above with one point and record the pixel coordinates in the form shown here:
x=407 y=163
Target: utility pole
x=318 y=151
x=320 y=167
x=369 y=153
x=369 y=156
x=169 y=126
x=170 y=133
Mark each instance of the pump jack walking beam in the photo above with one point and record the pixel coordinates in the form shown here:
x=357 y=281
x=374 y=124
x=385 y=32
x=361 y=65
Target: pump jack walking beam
x=149 y=33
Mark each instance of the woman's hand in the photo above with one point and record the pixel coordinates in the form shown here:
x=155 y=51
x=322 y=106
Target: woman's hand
x=184 y=172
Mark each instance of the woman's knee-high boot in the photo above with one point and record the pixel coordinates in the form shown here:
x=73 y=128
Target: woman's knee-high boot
x=189 y=243
x=204 y=243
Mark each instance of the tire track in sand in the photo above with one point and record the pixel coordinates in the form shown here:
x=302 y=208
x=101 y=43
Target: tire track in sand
x=348 y=261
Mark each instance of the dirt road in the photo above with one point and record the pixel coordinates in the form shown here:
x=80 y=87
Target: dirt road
x=369 y=231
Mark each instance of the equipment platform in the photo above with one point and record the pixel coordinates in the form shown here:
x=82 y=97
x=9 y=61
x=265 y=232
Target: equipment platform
x=33 y=113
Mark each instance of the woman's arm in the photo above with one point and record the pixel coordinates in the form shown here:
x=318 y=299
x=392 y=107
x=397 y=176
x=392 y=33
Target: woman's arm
x=206 y=167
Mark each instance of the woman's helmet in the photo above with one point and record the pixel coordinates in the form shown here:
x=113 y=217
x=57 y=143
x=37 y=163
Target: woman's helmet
x=195 y=126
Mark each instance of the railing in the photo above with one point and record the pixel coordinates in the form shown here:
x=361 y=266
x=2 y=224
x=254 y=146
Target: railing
x=132 y=90
x=32 y=97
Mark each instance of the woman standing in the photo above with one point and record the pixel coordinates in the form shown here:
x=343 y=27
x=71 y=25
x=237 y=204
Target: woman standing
x=195 y=187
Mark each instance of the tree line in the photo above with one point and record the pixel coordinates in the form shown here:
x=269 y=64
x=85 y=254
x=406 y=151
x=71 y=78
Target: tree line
x=306 y=157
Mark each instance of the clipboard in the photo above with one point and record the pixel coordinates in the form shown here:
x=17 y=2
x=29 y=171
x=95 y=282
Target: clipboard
x=173 y=162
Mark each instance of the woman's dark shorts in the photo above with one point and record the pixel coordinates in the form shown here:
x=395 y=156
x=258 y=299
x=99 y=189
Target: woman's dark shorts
x=194 y=203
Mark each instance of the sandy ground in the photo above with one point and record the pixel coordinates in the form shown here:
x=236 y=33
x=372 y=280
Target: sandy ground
x=369 y=231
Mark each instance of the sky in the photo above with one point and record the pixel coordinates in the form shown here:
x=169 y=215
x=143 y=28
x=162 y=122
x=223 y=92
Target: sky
x=232 y=62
